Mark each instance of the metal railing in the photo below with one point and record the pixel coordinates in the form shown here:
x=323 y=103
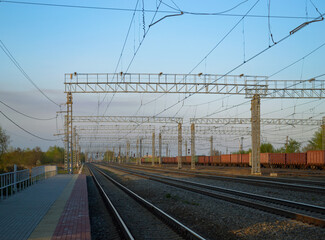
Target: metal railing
x=16 y=181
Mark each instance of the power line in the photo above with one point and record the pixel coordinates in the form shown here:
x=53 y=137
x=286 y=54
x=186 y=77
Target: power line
x=307 y=55
x=222 y=12
x=121 y=54
x=191 y=94
x=41 y=119
x=135 y=53
x=14 y=61
x=235 y=68
x=45 y=139
x=148 y=10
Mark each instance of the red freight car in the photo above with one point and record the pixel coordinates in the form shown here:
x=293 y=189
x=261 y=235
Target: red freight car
x=277 y=159
x=207 y=160
x=245 y=159
x=225 y=158
x=201 y=160
x=267 y=159
x=316 y=158
x=235 y=158
x=264 y=158
x=294 y=159
x=215 y=160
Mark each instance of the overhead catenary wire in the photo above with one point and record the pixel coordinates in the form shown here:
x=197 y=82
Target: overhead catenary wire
x=230 y=71
x=146 y=10
x=208 y=54
x=31 y=117
x=14 y=61
x=30 y=133
x=136 y=52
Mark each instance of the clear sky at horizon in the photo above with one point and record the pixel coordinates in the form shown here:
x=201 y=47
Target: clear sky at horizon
x=49 y=41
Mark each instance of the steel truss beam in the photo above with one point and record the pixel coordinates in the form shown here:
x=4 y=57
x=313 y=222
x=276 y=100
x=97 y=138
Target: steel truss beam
x=163 y=83
x=268 y=121
x=206 y=130
x=193 y=83
x=115 y=129
x=127 y=119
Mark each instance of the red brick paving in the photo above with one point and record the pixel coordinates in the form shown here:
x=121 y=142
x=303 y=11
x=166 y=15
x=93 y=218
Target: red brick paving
x=74 y=221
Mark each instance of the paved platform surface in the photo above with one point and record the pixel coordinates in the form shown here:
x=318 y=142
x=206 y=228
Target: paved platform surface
x=74 y=222
x=38 y=211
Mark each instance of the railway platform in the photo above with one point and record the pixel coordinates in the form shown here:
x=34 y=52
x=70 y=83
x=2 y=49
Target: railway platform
x=55 y=208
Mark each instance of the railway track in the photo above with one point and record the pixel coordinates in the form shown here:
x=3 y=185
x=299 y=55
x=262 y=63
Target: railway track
x=298 y=211
x=137 y=218
x=289 y=184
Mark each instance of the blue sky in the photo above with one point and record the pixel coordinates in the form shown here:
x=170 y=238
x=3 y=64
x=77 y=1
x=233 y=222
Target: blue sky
x=51 y=41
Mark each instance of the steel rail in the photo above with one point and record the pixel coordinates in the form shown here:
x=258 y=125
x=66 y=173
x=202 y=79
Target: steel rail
x=122 y=226
x=169 y=220
x=259 y=182
x=278 y=211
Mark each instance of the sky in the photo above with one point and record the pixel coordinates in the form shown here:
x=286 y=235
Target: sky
x=48 y=41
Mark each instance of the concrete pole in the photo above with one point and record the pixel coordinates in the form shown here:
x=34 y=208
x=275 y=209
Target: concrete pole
x=159 y=149
x=138 y=156
x=74 y=148
x=241 y=144
x=256 y=134
x=186 y=148
x=179 y=157
x=211 y=146
x=66 y=136
x=127 y=151
x=153 y=153
x=192 y=146
x=287 y=143
x=78 y=151
x=140 y=151
x=323 y=134
x=119 y=154
x=167 y=150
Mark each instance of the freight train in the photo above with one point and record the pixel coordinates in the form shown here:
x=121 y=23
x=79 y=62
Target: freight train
x=310 y=159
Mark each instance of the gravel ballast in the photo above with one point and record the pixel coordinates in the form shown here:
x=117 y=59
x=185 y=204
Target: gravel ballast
x=216 y=219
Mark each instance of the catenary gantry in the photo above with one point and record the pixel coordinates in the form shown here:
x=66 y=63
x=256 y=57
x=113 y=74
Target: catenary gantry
x=254 y=87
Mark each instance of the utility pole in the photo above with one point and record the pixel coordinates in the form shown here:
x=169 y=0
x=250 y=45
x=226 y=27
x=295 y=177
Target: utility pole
x=74 y=148
x=138 y=155
x=153 y=149
x=66 y=137
x=256 y=134
x=159 y=148
x=186 y=148
x=69 y=133
x=179 y=157
x=211 y=145
x=167 y=150
x=140 y=151
x=127 y=151
x=119 y=154
x=192 y=146
x=287 y=143
x=241 y=144
x=323 y=134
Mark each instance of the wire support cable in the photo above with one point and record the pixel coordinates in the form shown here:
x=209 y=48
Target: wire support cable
x=149 y=10
x=14 y=61
x=31 y=117
x=30 y=133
